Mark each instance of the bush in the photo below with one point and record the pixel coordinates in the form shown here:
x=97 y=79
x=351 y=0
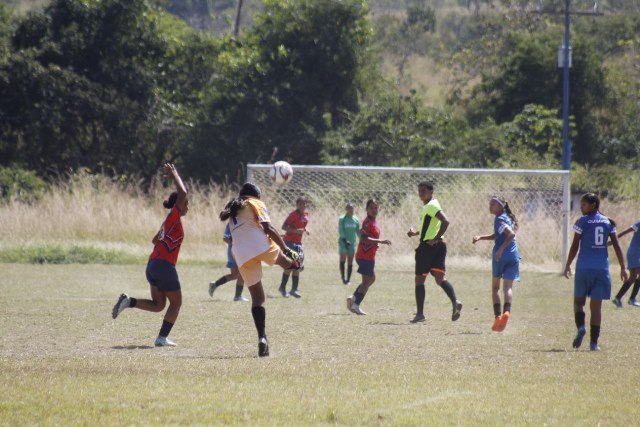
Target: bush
x=20 y=185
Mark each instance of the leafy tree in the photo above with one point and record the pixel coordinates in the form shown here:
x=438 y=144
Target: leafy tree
x=281 y=86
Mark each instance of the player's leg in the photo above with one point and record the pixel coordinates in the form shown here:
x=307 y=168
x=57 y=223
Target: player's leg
x=295 y=281
x=495 y=298
x=579 y=301
x=170 y=317
x=507 y=285
x=361 y=292
x=438 y=271
x=349 y=266
x=239 y=285
x=634 y=275
x=595 y=307
x=343 y=259
x=420 y=293
x=251 y=272
x=283 y=283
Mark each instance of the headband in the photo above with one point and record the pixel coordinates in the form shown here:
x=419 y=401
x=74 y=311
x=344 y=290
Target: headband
x=497 y=200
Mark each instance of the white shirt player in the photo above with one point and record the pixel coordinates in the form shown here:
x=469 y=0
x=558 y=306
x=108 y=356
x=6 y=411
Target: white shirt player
x=249 y=238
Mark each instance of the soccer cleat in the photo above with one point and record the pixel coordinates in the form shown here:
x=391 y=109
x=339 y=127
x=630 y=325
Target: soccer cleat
x=123 y=302
x=350 y=303
x=164 y=342
x=263 y=347
x=577 y=341
x=212 y=287
x=295 y=293
x=594 y=346
x=457 y=308
x=240 y=298
x=617 y=302
x=502 y=322
x=496 y=322
x=419 y=318
x=283 y=292
x=634 y=302
x=347 y=283
x=355 y=308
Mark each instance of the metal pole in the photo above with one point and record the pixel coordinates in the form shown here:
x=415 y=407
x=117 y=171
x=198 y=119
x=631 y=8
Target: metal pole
x=566 y=143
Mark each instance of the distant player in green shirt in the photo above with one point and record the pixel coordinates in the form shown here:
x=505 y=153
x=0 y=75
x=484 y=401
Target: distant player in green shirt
x=349 y=229
x=432 y=251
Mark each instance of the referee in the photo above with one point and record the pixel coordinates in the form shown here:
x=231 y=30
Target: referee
x=432 y=251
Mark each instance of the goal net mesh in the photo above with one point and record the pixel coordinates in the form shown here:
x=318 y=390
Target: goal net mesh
x=535 y=197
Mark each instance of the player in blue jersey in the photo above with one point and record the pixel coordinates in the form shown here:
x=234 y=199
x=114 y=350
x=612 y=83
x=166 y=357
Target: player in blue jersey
x=633 y=263
x=505 y=260
x=234 y=273
x=592 y=231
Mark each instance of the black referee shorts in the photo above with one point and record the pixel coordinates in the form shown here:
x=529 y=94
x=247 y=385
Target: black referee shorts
x=430 y=258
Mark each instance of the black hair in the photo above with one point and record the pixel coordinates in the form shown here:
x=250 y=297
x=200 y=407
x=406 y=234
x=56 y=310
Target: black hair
x=427 y=184
x=171 y=201
x=507 y=210
x=592 y=198
x=301 y=199
x=234 y=205
x=370 y=202
x=349 y=206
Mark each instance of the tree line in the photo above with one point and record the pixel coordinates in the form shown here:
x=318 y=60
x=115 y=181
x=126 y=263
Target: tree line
x=120 y=86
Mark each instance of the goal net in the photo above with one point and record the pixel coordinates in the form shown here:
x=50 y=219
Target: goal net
x=539 y=199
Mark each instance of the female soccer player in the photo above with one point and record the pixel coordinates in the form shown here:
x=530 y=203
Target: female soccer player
x=234 y=274
x=592 y=279
x=505 y=261
x=161 y=268
x=633 y=263
x=366 y=256
x=431 y=253
x=255 y=241
x=348 y=229
x=295 y=226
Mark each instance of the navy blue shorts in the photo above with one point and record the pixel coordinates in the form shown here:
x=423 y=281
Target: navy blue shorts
x=593 y=283
x=366 y=267
x=299 y=249
x=162 y=275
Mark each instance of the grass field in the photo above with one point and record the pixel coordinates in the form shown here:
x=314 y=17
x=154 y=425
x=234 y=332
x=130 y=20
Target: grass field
x=64 y=361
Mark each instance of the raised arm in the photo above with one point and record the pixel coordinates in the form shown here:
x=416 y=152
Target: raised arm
x=172 y=173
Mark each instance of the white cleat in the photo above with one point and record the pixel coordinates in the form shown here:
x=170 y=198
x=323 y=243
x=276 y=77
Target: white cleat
x=241 y=298
x=355 y=308
x=123 y=302
x=164 y=342
x=350 y=303
x=634 y=302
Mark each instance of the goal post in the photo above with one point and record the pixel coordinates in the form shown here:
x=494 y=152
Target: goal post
x=540 y=199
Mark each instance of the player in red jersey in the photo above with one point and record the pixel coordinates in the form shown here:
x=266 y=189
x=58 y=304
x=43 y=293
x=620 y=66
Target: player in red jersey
x=161 y=268
x=295 y=227
x=366 y=256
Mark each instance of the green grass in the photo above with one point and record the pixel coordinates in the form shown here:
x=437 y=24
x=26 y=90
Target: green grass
x=64 y=361
x=57 y=254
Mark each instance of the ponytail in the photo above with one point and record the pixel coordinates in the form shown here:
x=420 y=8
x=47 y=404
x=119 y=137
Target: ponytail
x=171 y=201
x=511 y=216
x=234 y=205
x=231 y=209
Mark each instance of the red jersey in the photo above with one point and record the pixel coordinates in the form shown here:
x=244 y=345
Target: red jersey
x=169 y=238
x=296 y=220
x=367 y=250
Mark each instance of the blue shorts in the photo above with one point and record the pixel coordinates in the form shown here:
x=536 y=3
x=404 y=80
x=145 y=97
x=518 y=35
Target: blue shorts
x=163 y=275
x=633 y=259
x=594 y=283
x=507 y=269
x=297 y=247
x=231 y=262
x=366 y=267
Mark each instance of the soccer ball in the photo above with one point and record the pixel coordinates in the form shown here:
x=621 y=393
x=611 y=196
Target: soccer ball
x=281 y=172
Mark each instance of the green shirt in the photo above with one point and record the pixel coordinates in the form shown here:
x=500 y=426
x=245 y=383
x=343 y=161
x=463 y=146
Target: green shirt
x=349 y=228
x=429 y=223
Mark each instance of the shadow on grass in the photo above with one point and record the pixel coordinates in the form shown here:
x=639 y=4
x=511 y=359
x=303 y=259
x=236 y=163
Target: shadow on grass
x=551 y=350
x=132 y=347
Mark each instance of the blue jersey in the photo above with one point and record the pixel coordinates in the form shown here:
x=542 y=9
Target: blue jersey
x=633 y=251
x=500 y=224
x=594 y=231
x=227 y=235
